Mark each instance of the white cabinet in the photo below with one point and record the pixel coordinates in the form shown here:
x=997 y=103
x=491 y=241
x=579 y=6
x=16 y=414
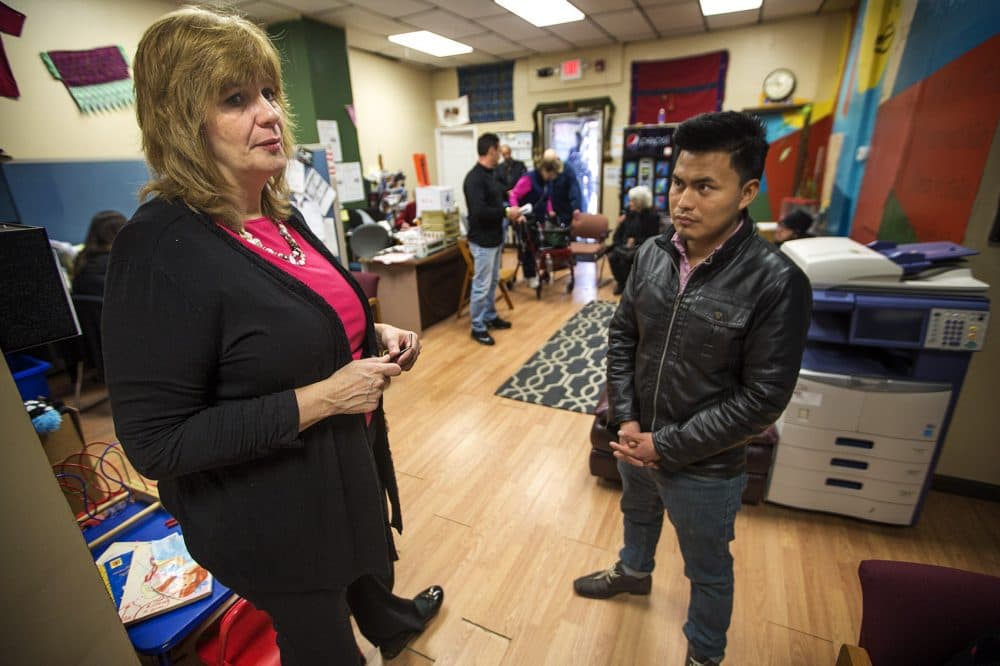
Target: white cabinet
x=857 y=446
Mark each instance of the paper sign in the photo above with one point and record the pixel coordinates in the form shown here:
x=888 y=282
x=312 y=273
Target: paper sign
x=349 y=183
x=452 y=112
x=295 y=174
x=329 y=136
x=612 y=174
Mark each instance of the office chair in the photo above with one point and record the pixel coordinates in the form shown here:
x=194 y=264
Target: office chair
x=369 y=285
x=594 y=229
x=506 y=275
x=367 y=240
x=86 y=350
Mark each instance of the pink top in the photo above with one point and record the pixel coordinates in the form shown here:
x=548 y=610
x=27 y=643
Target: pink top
x=522 y=187
x=686 y=268
x=317 y=274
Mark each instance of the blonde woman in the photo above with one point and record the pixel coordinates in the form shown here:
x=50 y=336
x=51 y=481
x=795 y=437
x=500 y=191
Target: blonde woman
x=244 y=368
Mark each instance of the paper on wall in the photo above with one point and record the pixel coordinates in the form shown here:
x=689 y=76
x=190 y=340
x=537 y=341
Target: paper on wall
x=295 y=175
x=318 y=190
x=349 y=184
x=312 y=211
x=451 y=112
x=612 y=174
x=329 y=136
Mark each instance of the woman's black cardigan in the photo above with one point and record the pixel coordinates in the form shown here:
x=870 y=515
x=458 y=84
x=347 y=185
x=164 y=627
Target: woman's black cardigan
x=205 y=343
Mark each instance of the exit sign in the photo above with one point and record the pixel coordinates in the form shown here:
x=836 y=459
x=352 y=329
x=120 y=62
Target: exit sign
x=571 y=69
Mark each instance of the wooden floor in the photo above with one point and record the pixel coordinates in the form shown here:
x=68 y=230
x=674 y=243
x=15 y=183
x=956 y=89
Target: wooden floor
x=500 y=509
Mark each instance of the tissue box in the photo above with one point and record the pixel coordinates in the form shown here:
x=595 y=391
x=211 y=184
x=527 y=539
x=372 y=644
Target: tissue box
x=435 y=197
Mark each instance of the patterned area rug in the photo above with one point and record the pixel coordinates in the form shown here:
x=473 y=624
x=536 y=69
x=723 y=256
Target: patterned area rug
x=568 y=371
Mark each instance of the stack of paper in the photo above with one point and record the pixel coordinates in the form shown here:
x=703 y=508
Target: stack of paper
x=147 y=578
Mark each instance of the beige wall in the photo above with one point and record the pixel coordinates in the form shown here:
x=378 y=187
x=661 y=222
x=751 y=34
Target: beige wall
x=813 y=47
x=395 y=113
x=45 y=123
x=970 y=451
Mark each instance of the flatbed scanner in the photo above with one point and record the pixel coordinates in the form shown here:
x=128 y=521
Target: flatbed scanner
x=836 y=262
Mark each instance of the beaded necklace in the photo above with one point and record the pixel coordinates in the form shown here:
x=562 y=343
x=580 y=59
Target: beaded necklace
x=295 y=256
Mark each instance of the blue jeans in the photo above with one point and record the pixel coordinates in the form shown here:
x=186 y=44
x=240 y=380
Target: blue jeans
x=486 y=274
x=703 y=512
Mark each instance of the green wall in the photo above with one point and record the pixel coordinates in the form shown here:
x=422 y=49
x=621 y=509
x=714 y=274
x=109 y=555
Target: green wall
x=317 y=79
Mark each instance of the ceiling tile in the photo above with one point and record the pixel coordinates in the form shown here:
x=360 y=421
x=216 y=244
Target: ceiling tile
x=749 y=17
x=578 y=32
x=773 y=9
x=676 y=19
x=444 y=23
x=512 y=27
x=308 y=6
x=596 y=6
x=268 y=13
x=625 y=25
x=395 y=8
x=490 y=42
x=476 y=58
x=365 y=20
x=659 y=3
x=471 y=8
x=548 y=44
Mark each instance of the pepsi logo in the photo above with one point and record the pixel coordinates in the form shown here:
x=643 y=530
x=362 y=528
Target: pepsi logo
x=632 y=140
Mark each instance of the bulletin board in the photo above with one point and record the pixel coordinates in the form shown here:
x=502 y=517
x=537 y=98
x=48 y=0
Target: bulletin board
x=520 y=145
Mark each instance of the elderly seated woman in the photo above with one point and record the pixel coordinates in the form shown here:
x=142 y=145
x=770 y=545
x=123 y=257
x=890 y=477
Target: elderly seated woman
x=639 y=223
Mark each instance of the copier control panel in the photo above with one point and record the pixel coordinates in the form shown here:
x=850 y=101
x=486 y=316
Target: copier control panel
x=956 y=330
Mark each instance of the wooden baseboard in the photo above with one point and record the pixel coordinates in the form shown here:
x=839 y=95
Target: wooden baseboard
x=966 y=487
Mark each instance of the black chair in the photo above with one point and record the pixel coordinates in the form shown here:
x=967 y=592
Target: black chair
x=367 y=240
x=89 y=355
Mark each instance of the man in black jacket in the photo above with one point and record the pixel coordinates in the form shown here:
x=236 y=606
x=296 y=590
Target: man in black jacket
x=510 y=170
x=485 y=199
x=704 y=351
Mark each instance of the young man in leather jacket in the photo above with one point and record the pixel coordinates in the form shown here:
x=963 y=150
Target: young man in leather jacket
x=704 y=351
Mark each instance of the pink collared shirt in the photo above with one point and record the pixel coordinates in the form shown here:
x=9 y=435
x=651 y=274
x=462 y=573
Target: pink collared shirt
x=686 y=268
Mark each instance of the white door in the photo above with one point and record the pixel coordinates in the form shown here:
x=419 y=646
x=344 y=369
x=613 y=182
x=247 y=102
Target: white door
x=456 y=155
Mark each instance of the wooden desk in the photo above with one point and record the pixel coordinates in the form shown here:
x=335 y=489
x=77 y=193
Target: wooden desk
x=417 y=293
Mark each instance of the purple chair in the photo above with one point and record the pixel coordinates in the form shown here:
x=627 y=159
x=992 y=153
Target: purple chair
x=369 y=285
x=920 y=614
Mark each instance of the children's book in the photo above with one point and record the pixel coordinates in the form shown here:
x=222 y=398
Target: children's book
x=162 y=576
x=115 y=573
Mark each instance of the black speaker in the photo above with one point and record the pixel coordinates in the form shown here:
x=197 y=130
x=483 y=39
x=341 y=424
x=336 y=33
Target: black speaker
x=35 y=307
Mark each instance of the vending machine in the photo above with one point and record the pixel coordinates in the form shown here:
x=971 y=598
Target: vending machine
x=647 y=151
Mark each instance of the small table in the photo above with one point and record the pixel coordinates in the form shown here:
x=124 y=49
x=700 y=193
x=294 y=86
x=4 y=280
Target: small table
x=416 y=293
x=158 y=635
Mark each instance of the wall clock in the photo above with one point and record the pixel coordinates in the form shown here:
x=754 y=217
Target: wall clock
x=779 y=85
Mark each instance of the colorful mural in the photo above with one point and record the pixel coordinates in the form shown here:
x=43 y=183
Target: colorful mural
x=917 y=114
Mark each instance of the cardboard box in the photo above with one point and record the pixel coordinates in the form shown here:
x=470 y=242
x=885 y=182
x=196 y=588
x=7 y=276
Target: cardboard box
x=435 y=197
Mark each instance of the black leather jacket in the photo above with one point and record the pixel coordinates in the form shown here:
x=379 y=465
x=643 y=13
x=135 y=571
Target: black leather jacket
x=709 y=368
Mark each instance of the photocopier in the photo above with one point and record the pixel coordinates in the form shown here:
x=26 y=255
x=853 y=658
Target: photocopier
x=893 y=330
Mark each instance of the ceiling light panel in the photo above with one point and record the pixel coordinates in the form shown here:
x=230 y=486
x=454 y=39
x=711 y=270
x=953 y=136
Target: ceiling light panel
x=715 y=7
x=541 y=14
x=429 y=42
